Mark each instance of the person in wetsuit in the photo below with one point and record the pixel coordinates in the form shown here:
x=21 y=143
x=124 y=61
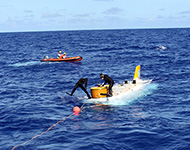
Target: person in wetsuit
x=108 y=80
x=80 y=84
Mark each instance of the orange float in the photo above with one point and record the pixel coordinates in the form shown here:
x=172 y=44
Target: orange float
x=68 y=59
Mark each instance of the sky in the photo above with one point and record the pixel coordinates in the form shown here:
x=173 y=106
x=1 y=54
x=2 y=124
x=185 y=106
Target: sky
x=56 y=15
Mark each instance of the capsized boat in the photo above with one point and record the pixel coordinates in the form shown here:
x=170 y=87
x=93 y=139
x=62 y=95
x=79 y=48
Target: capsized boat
x=98 y=92
x=67 y=59
x=123 y=93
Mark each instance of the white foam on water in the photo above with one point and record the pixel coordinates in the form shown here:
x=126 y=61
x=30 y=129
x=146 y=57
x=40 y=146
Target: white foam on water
x=29 y=63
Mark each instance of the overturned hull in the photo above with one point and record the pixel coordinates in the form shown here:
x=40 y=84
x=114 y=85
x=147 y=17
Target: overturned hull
x=102 y=92
x=126 y=93
x=122 y=94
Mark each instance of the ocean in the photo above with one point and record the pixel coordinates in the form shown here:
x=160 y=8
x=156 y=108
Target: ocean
x=37 y=114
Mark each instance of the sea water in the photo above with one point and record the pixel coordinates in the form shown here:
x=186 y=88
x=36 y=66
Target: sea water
x=33 y=93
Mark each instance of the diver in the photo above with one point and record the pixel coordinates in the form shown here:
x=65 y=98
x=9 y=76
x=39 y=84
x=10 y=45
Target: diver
x=108 y=80
x=80 y=84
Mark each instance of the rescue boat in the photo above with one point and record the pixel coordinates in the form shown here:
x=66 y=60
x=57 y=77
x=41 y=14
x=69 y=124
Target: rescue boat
x=67 y=59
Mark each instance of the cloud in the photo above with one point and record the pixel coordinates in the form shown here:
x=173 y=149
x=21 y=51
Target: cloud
x=162 y=9
x=159 y=17
x=51 y=15
x=82 y=15
x=113 y=11
x=28 y=11
x=184 y=13
x=6 y=6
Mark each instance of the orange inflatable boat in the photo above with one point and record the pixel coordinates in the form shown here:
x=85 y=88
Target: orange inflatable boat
x=68 y=59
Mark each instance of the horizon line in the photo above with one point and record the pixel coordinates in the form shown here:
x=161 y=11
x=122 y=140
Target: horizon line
x=62 y=30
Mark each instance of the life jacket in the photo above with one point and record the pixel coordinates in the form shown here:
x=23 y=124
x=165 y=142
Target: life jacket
x=59 y=55
x=63 y=56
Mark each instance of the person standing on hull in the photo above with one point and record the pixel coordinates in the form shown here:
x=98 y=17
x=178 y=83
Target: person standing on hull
x=108 y=80
x=80 y=84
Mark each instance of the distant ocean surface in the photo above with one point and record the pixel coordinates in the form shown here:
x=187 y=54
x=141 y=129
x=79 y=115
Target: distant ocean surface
x=33 y=93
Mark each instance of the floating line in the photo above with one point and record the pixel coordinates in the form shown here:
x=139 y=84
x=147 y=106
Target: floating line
x=82 y=108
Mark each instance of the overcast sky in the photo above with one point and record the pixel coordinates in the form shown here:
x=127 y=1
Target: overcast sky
x=50 y=15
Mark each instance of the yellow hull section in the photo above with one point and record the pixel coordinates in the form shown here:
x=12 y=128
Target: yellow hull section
x=97 y=91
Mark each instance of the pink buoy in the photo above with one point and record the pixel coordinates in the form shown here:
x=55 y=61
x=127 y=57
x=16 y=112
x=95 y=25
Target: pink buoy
x=76 y=110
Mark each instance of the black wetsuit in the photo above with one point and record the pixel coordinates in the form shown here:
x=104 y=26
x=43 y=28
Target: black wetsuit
x=80 y=84
x=108 y=80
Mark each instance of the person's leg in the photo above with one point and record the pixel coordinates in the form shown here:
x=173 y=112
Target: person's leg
x=76 y=86
x=110 y=89
x=82 y=87
x=79 y=84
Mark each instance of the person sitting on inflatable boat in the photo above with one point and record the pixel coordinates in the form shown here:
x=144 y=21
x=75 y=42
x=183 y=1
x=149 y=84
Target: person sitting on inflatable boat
x=63 y=56
x=59 y=55
x=108 y=80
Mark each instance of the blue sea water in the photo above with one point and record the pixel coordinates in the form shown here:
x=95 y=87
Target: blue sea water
x=33 y=98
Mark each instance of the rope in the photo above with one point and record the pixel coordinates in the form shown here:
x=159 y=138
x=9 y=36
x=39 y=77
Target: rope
x=82 y=107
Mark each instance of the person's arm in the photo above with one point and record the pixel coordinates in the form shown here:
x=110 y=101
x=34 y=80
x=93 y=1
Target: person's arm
x=105 y=79
x=104 y=83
